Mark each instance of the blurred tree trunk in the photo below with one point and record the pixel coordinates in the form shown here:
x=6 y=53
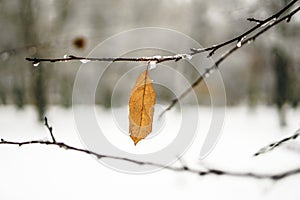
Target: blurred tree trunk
x=286 y=72
x=281 y=93
x=2 y=94
x=38 y=74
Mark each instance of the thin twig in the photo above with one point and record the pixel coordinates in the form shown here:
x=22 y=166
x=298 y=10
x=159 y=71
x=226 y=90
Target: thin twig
x=276 y=144
x=183 y=168
x=258 y=21
x=50 y=129
x=241 y=40
x=241 y=43
x=214 y=48
x=176 y=57
x=158 y=59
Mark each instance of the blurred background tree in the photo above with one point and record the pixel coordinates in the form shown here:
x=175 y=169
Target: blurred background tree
x=266 y=72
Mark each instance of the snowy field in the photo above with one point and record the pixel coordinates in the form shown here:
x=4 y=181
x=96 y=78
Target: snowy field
x=45 y=172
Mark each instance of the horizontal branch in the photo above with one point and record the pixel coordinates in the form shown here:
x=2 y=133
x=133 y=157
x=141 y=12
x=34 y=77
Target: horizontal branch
x=240 y=40
x=276 y=144
x=177 y=57
x=157 y=59
x=184 y=168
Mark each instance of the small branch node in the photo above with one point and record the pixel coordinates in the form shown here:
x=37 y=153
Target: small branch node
x=255 y=20
x=194 y=50
x=202 y=173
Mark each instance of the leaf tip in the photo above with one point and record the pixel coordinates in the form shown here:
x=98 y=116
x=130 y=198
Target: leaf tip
x=135 y=139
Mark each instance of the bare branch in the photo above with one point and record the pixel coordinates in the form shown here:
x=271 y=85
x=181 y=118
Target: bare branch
x=241 y=43
x=157 y=59
x=214 y=48
x=276 y=144
x=49 y=129
x=255 y=20
x=183 y=168
x=176 y=57
x=241 y=40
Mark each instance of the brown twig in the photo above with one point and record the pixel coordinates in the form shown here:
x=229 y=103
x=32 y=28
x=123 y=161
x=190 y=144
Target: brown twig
x=183 y=168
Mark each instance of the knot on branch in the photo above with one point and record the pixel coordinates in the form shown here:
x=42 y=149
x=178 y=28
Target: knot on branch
x=255 y=20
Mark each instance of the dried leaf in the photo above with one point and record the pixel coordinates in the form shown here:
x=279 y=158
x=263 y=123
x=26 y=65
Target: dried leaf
x=141 y=108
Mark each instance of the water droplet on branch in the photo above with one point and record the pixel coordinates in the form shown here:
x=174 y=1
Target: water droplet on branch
x=36 y=63
x=239 y=44
x=152 y=65
x=84 y=61
x=189 y=57
x=208 y=72
x=158 y=57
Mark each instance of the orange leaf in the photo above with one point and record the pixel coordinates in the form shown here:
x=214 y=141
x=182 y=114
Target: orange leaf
x=141 y=108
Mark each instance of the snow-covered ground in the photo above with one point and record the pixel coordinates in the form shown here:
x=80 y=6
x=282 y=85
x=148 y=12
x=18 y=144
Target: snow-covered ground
x=45 y=172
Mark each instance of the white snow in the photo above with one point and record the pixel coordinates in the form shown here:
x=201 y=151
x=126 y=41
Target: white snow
x=45 y=172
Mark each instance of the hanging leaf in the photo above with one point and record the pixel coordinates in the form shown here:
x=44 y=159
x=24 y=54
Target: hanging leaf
x=141 y=108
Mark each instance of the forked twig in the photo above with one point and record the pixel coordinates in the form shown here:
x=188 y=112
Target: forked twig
x=240 y=41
